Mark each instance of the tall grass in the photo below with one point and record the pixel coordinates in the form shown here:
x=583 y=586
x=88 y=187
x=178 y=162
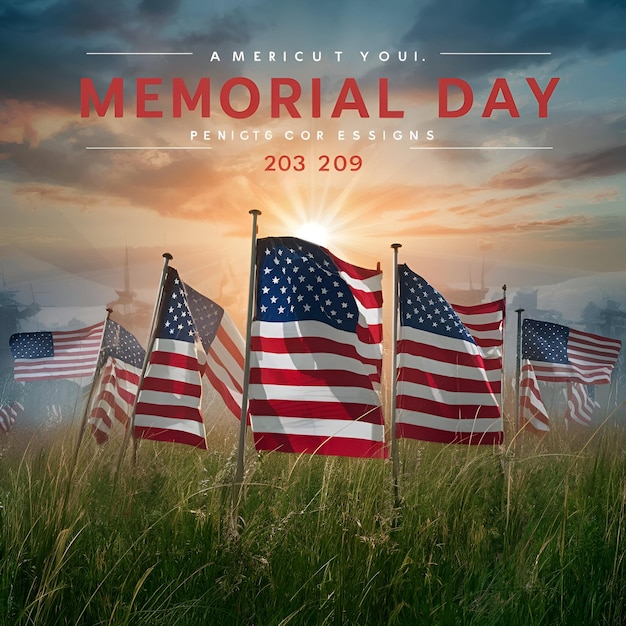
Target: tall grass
x=530 y=534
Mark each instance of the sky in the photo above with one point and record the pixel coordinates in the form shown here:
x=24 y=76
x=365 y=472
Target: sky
x=527 y=201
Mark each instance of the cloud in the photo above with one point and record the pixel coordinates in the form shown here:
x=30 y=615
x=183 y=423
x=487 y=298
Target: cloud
x=538 y=170
x=558 y=26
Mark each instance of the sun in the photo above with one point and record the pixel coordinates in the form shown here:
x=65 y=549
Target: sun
x=313 y=232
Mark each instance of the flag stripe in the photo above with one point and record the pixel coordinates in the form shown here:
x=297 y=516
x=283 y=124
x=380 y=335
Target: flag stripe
x=316 y=444
x=350 y=429
x=323 y=410
x=439 y=434
x=451 y=381
x=172 y=433
x=417 y=402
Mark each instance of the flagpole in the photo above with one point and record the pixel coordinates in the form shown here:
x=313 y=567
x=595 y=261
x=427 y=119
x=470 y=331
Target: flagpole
x=246 y=368
x=96 y=373
x=394 y=343
x=83 y=424
x=151 y=338
x=503 y=357
x=518 y=367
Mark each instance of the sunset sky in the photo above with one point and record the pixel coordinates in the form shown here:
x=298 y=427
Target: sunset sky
x=541 y=200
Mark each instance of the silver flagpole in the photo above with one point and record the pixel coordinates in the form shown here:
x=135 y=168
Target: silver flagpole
x=394 y=349
x=502 y=357
x=83 y=424
x=151 y=338
x=246 y=368
x=518 y=367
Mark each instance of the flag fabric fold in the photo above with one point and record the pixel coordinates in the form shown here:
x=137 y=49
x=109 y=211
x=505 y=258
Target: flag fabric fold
x=8 y=415
x=581 y=403
x=532 y=412
x=55 y=355
x=444 y=392
x=316 y=352
x=485 y=322
x=121 y=361
x=222 y=357
x=168 y=405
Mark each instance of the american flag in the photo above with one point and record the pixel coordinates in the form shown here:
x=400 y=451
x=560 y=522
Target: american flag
x=532 y=411
x=57 y=354
x=316 y=352
x=485 y=322
x=444 y=393
x=8 y=414
x=581 y=403
x=168 y=407
x=222 y=360
x=121 y=362
x=561 y=354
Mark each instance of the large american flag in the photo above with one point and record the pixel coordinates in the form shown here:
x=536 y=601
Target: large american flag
x=54 y=355
x=561 y=354
x=121 y=362
x=168 y=406
x=316 y=352
x=444 y=393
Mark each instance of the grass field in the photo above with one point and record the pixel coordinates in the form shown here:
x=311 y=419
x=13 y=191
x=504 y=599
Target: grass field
x=528 y=534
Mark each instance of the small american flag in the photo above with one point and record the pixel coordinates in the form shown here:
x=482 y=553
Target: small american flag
x=560 y=354
x=443 y=391
x=57 y=354
x=121 y=362
x=316 y=352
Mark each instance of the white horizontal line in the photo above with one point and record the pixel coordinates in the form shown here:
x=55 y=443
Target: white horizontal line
x=148 y=148
x=481 y=148
x=137 y=53
x=497 y=53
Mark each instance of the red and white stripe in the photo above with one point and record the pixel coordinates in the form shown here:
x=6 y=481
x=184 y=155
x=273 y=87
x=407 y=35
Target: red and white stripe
x=533 y=413
x=168 y=407
x=224 y=363
x=115 y=396
x=443 y=392
x=580 y=406
x=485 y=323
x=8 y=415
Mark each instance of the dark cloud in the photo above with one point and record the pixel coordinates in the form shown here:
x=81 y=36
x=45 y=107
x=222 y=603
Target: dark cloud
x=535 y=171
x=159 y=8
x=561 y=27
x=47 y=44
